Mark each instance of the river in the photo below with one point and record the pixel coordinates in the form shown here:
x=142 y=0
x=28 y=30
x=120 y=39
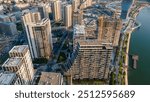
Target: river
x=140 y=45
x=125 y=6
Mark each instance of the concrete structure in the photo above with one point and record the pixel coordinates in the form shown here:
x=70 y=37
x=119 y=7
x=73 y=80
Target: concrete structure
x=68 y=16
x=84 y=4
x=56 y=10
x=115 y=7
x=8 y=78
x=50 y=78
x=63 y=6
x=17 y=65
x=89 y=3
x=135 y=58
x=77 y=17
x=44 y=10
x=92 y=59
x=75 y=5
x=17 y=1
x=39 y=35
x=30 y=18
x=23 y=52
x=8 y=28
x=91 y=27
x=109 y=30
x=79 y=33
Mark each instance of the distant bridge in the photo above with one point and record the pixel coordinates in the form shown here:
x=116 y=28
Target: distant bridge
x=137 y=26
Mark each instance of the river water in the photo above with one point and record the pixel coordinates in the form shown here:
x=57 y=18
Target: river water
x=125 y=6
x=140 y=45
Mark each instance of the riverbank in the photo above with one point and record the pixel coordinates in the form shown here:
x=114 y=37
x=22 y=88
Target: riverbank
x=127 y=57
x=128 y=45
x=139 y=45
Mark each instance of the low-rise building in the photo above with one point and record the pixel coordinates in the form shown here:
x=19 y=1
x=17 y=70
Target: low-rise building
x=50 y=78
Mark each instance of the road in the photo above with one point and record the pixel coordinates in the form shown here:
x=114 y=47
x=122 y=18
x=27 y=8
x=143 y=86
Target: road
x=63 y=39
x=126 y=30
x=57 y=50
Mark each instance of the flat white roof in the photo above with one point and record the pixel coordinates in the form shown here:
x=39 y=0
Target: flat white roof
x=12 y=61
x=50 y=78
x=6 y=78
x=19 y=48
x=40 y=23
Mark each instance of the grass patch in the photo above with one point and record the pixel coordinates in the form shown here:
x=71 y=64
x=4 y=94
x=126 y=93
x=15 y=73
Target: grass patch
x=89 y=82
x=62 y=57
x=19 y=26
x=40 y=61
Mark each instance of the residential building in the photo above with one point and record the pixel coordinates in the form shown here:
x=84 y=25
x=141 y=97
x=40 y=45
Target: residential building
x=89 y=3
x=17 y=65
x=44 y=10
x=75 y=5
x=78 y=17
x=109 y=30
x=91 y=58
x=30 y=18
x=56 y=10
x=50 y=78
x=63 y=6
x=39 y=35
x=92 y=62
x=22 y=51
x=9 y=78
x=68 y=15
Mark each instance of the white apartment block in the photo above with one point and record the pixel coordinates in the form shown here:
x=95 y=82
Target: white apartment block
x=92 y=59
x=17 y=66
x=23 y=52
x=9 y=78
x=56 y=10
x=39 y=35
x=68 y=15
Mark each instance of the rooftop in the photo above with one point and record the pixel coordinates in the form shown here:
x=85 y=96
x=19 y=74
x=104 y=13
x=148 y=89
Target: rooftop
x=50 y=78
x=42 y=22
x=95 y=43
x=79 y=29
x=97 y=10
x=114 y=5
x=12 y=62
x=6 y=78
x=42 y=4
x=35 y=22
x=90 y=23
x=19 y=49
